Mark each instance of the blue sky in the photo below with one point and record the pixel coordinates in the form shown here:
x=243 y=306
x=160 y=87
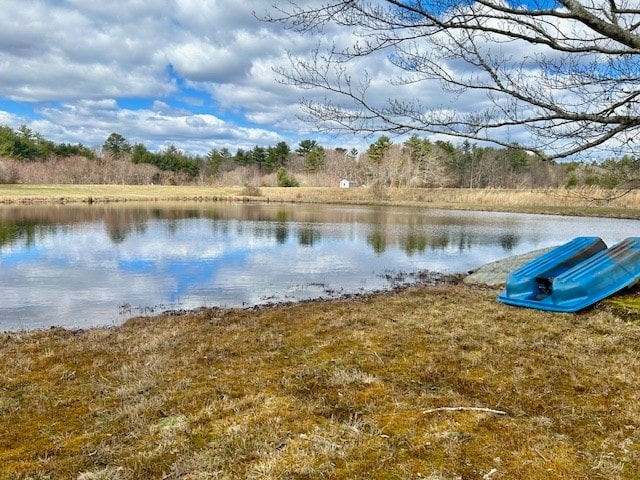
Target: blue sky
x=193 y=73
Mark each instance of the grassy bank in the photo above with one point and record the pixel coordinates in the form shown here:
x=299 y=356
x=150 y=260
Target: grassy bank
x=350 y=388
x=584 y=202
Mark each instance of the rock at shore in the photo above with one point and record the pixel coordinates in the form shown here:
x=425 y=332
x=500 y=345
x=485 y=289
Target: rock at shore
x=495 y=273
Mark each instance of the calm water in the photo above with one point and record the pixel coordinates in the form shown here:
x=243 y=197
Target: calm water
x=78 y=266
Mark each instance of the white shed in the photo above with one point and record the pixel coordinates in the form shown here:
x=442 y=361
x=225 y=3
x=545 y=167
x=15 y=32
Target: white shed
x=345 y=184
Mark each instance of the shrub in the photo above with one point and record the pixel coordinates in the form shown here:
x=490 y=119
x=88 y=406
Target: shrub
x=8 y=172
x=251 y=191
x=284 y=180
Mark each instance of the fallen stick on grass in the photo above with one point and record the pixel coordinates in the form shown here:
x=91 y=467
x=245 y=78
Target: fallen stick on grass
x=464 y=409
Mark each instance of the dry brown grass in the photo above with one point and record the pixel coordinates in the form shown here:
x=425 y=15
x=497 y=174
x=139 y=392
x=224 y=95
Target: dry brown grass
x=29 y=194
x=563 y=201
x=585 y=201
x=335 y=389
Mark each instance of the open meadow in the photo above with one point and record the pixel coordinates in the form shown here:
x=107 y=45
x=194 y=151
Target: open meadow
x=579 y=201
x=435 y=381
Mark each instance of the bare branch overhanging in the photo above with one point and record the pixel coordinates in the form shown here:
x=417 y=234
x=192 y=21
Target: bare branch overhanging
x=567 y=73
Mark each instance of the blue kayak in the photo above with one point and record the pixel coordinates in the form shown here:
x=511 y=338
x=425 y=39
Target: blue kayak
x=575 y=275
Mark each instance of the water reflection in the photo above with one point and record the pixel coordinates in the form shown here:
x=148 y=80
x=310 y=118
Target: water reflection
x=86 y=265
x=25 y=225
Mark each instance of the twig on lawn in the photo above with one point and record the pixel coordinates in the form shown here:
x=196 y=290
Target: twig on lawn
x=541 y=455
x=464 y=409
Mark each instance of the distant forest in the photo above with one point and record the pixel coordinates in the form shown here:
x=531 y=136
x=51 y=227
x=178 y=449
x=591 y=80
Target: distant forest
x=27 y=157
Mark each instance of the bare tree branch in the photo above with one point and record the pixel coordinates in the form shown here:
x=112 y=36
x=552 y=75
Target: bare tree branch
x=566 y=73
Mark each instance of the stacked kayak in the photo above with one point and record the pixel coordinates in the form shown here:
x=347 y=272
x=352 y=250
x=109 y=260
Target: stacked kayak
x=574 y=275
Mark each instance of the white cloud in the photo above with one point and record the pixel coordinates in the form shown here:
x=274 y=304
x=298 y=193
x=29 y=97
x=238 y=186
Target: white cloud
x=90 y=122
x=199 y=60
x=193 y=62
x=7 y=118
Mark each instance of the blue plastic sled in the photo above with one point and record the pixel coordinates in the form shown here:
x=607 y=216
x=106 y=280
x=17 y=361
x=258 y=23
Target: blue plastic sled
x=574 y=275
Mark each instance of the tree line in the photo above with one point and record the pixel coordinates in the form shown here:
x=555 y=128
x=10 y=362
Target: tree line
x=415 y=162
x=25 y=144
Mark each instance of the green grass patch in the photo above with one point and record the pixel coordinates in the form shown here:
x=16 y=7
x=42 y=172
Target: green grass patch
x=626 y=302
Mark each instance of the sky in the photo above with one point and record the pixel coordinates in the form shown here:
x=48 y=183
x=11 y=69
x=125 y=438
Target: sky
x=197 y=74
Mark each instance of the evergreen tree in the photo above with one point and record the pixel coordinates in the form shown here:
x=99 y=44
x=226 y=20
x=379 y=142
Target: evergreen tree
x=116 y=145
x=378 y=149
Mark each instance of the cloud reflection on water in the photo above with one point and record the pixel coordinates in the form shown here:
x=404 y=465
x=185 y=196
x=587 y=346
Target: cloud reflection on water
x=83 y=266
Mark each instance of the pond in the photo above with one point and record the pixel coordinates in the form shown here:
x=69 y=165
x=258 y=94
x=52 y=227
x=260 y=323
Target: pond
x=90 y=265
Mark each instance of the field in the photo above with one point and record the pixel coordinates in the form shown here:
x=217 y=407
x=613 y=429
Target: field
x=587 y=201
x=435 y=381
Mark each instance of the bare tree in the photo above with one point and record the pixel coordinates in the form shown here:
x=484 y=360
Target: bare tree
x=557 y=77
